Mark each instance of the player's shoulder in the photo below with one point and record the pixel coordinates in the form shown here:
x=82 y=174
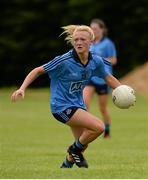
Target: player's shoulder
x=95 y=56
x=61 y=59
x=64 y=56
x=58 y=61
x=98 y=59
x=107 y=40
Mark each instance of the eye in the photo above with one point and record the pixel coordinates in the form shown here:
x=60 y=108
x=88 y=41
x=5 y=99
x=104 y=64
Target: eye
x=75 y=40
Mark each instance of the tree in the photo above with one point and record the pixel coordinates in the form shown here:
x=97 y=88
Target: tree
x=30 y=29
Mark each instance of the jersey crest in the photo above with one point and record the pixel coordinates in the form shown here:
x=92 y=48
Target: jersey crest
x=76 y=86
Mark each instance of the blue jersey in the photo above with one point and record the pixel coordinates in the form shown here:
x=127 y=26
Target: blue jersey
x=105 y=48
x=69 y=77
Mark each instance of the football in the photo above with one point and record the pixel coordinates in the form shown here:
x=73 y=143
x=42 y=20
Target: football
x=123 y=96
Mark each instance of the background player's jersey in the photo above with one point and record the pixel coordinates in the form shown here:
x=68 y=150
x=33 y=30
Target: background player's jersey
x=105 y=48
x=68 y=78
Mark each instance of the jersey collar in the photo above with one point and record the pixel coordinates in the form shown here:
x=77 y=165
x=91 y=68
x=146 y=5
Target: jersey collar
x=76 y=57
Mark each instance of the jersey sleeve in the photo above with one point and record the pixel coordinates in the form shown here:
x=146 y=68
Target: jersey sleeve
x=111 y=50
x=53 y=66
x=100 y=70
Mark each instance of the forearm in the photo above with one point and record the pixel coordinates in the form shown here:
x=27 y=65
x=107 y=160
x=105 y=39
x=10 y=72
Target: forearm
x=31 y=77
x=112 y=81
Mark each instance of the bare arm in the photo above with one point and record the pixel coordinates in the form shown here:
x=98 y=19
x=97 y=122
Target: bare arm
x=28 y=80
x=112 y=60
x=112 y=81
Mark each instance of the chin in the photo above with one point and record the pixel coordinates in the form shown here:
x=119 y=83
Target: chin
x=80 y=51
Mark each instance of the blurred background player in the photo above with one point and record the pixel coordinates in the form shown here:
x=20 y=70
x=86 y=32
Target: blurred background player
x=104 y=47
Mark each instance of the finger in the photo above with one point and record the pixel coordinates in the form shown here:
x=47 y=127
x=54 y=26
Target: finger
x=22 y=94
x=13 y=97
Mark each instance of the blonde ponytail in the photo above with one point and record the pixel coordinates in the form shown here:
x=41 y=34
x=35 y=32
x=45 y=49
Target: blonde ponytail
x=70 y=29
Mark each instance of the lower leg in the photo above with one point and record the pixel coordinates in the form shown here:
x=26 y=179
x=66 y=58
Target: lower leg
x=76 y=149
x=92 y=128
x=76 y=156
x=82 y=132
x=103 y=100
x=107 y=122
x=88 y=135
x=69 y=161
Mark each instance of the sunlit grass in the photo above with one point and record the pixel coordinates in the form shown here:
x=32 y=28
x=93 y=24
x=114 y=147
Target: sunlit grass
x=33 y=144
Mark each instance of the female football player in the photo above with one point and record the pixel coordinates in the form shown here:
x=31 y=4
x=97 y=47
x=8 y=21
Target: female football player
x=104 y=47
x=69 y=73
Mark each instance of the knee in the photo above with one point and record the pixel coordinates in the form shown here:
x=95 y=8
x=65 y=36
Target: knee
x=101 y=127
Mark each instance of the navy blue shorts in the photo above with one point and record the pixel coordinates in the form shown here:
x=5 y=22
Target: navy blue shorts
x=100 y=89
x=65 y=115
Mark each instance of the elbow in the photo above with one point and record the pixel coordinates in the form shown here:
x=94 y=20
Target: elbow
x=113 y=60
x=39 y=70
x=114 y=63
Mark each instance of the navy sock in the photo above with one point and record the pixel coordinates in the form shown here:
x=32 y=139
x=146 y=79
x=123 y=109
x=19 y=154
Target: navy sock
x=107 y=128
x=78 y=146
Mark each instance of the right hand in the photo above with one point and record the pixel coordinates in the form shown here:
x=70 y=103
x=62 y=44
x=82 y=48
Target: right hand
x=17 y=93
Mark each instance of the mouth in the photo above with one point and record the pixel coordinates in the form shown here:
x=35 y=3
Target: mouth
x=79 y=48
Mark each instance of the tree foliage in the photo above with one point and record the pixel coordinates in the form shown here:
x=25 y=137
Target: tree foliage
x=30 y=29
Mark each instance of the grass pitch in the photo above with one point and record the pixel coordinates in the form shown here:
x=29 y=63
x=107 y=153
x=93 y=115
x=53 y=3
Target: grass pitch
x=33 y=144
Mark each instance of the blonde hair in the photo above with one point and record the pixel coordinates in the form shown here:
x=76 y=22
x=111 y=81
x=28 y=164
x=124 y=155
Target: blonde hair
x=71 y=29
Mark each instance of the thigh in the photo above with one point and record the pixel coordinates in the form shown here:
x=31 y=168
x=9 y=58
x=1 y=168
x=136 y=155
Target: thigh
x=84 y=119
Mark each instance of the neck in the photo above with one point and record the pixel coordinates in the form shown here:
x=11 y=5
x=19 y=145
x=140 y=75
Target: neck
x=83 y=57
x=98 y=39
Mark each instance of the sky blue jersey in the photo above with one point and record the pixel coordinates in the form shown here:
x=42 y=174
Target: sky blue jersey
x=105 y=48
x=68 y=78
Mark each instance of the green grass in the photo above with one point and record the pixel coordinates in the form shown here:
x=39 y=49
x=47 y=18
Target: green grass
x=33 y=144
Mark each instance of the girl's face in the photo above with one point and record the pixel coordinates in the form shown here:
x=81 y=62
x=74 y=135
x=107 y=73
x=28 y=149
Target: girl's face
x=81 y=41
x=98 y=31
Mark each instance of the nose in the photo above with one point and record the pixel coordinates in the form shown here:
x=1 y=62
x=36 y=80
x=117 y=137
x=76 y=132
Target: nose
x=79 y=42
